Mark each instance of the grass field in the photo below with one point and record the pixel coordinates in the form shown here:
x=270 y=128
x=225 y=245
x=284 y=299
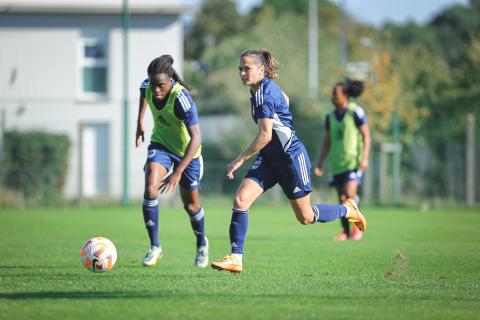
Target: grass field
x=410 y=265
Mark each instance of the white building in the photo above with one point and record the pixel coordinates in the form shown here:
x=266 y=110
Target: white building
x=61 y=71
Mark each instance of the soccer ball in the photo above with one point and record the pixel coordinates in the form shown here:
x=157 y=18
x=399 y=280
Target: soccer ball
x=98 y=254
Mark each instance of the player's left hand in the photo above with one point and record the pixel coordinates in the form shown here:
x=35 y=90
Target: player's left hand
x=318 y=170
x=170 y=183
x=363 y=165
x=232 y=166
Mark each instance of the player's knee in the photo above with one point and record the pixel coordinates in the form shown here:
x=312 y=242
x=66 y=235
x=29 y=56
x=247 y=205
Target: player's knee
x=191 y=208
x=151 y=191
x=304 y=220
x=240 y=202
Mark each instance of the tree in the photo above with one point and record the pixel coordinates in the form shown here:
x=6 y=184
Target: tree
x=216 y=21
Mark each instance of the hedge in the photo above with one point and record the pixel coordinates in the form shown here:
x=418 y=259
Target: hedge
x=35 y=165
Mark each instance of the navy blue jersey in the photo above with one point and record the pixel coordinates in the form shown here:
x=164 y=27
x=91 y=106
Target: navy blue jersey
x=359 y=117
x=268 y=102
x=184 y=107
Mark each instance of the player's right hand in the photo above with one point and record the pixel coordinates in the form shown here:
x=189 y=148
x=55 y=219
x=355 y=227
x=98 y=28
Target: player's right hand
x=318 y=171
x=232 y=166
x=139 y=137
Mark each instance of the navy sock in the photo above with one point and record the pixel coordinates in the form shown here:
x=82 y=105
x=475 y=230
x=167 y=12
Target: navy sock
x=198 y=226
x=345 y=226
x=329 y=212
x=150 y=216
x=344 y=221
x=238 y=230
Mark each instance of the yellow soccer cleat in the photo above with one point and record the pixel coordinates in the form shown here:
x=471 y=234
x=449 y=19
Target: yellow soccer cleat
x=354 y=215
x=228 y=263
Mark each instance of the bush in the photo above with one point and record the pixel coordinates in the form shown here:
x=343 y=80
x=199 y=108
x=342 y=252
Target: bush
x=35 y=165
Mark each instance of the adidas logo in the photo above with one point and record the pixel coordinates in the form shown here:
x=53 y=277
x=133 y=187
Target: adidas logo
x=297 y=189
x=194 y=183
x=150 y=223
x=234 y=245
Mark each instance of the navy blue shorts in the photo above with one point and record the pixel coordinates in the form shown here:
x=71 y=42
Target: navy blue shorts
x=292 y=173
x=340 y=179
x=191 y=177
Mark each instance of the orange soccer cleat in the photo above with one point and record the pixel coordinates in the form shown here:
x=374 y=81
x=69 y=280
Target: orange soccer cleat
x=228 y=263
x=354 y=215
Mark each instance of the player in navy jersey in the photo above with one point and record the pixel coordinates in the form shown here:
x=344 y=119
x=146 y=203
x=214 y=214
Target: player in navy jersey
x=347 y=140
x=282 y=159
x=175 y=145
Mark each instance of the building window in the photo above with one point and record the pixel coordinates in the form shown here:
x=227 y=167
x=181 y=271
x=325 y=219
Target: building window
x=93 y=68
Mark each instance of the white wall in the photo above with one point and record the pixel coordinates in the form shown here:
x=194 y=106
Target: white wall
x=43 y=51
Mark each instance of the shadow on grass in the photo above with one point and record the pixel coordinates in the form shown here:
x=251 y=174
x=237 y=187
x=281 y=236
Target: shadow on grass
x=81 y=295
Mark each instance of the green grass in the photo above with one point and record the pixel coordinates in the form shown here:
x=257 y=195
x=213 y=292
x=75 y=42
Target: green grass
x=410 y=265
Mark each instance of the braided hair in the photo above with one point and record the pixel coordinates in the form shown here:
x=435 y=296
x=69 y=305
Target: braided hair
x=163 y=65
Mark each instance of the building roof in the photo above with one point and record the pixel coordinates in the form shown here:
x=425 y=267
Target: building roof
x=147 y=7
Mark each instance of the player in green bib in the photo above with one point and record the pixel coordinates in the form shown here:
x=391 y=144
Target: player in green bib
x=175 y=145
x=347 y=144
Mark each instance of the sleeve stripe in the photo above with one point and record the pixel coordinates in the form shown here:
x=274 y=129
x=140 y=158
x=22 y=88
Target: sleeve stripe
x=144 y=84
x=259 y=96
x=359 y=112
x=184 y=101
x=186 y=105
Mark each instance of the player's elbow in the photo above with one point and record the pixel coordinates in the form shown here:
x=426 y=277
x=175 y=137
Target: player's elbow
x=266 y=137
x=196 y=139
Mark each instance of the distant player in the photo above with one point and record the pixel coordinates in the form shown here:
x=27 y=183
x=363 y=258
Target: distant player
x=347 y=142
x=282 y=159
x=175 y=142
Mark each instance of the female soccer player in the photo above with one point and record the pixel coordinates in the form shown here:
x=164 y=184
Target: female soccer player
x=347 y=139
x=282 y=159
x=175 y=142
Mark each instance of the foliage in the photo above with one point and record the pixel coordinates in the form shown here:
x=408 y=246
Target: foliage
x=287 y=44
x=217 y=20
x=35 y=165
x=386 y=98
x=444 y=68
x=426 y=76
x=299 y=7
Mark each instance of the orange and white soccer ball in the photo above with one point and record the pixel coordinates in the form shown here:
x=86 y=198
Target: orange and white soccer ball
x=98 y=254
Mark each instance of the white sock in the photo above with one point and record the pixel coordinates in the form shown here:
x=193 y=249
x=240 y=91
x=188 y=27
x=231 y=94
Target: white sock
x=348 y=212
x=155 y=248
x=237 y=257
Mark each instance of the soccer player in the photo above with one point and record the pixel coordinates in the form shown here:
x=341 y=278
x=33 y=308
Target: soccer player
x=347 y=140
x=281 y=158
x=175 y=143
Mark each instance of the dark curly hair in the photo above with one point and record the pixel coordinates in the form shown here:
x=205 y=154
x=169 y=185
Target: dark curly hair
x=351 y=88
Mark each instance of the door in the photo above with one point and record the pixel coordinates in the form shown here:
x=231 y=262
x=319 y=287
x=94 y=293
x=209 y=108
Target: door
x=95 y=160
